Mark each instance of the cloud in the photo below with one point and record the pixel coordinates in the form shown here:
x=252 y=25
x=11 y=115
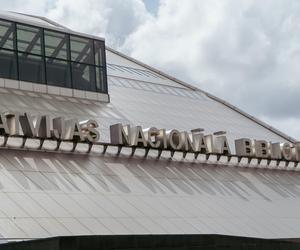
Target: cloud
x=36 y=7
x=114 y=20
x=247 y=52
x=288 y=125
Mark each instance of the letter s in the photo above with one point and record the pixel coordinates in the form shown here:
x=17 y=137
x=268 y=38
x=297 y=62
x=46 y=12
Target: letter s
x=91 y=133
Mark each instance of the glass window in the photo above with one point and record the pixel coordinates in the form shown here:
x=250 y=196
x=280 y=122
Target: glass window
x=99 y=53
x=81 y=50
x=83 y=77
x=29 y=39
x=8 y=64
x=56 y=44
x=7 y=34
x=58 y=73
x=31 y=68
x=101 y=80
x=34 y=54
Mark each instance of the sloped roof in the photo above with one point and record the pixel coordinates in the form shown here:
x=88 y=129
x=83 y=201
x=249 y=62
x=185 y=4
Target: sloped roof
x=41 y=22
x=125 y=60
x=158 y=89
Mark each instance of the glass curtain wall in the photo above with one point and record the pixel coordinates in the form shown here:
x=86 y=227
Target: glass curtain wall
x=8 y=57
x=49 y=57
x=57 y=59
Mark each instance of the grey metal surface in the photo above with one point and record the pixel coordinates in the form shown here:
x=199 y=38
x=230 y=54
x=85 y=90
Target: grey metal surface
x=141 y=103
x=183 y=109
x=49 y=194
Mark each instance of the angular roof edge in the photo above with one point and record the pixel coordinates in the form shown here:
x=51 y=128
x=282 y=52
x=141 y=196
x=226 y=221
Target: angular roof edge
x=45 y=19
x=217 y=99
x=54 y=25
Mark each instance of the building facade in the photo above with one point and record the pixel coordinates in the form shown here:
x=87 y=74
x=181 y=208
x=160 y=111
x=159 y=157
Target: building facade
x=58 y=177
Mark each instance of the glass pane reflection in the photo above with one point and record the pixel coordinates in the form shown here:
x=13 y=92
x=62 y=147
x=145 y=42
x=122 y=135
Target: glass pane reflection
x=83 y=76
x=7 y=35
x=29 y=39
x=99 y=53
x=56 y=44
x=8 y=64
x=81 y=50
x=58 y=73
x=31 y=68
x=100 y=80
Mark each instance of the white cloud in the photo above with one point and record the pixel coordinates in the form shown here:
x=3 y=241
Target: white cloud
x=288 y=125
x=36 y=7
x=247 y=52
x=112 y=19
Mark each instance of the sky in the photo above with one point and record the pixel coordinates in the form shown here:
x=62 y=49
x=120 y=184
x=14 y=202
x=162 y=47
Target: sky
x=246 y=52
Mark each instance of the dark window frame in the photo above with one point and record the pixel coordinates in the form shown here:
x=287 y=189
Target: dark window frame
x=69 y=61
x=67 y=44
x=41 y=38
x=14 y=34
x=49 y=65
x=42 y=64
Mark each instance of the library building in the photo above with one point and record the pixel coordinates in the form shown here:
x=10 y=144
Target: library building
x=101 y=151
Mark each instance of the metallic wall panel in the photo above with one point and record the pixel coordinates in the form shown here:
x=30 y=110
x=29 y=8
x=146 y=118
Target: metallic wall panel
x=144 y=197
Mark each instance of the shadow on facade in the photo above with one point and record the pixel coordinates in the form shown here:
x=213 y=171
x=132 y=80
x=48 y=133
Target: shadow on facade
x=158 y=176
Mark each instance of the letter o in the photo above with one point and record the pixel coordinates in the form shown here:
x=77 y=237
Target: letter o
x=287 y=151
x=175 y=139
